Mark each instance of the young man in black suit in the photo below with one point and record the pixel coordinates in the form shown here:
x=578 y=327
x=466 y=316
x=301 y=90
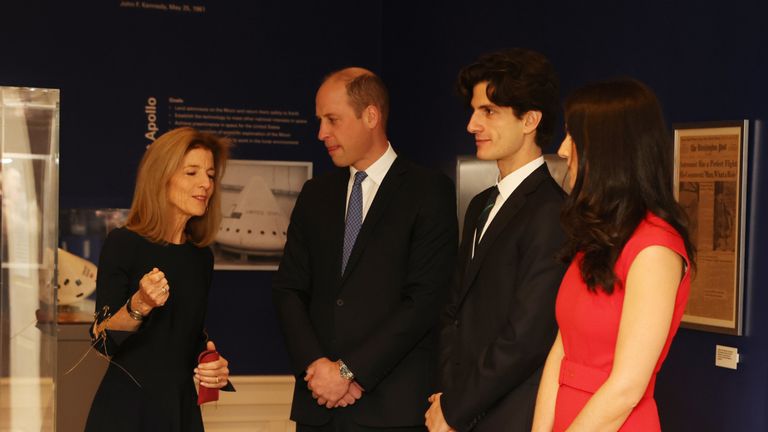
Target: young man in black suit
x=370 y=251
x=500 y=319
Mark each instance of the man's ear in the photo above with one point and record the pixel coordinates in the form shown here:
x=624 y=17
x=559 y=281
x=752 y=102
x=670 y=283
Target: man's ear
x=531 y=120
x=371 y=116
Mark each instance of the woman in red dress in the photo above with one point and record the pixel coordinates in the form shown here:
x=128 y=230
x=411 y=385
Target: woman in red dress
x=623 y=296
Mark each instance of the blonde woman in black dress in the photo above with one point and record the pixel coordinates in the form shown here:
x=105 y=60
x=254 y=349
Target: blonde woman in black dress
x=152 y=291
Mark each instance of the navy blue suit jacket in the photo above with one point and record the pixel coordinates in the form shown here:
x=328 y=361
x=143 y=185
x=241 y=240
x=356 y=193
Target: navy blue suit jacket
x=381 y=315
x=499 y=323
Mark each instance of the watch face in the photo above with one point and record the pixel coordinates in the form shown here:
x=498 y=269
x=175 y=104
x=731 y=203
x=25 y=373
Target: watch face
x=345 y=372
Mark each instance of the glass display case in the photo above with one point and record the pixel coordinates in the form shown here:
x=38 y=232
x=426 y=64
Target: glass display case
x=29 y=152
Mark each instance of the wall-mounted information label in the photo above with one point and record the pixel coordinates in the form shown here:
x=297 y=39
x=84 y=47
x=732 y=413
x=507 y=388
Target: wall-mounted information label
x=243 y=125
x=727 y=357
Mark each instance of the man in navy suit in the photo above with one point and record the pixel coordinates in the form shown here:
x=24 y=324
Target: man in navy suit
x=499 y=323
x=369 y=254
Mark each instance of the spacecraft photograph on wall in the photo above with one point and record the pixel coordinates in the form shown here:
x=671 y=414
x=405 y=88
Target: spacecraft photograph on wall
x=257 y=198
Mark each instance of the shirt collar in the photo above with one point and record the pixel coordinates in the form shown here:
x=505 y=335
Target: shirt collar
x=378 y=170
x=508 y=184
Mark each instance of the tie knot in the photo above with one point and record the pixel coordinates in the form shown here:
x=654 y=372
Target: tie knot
x=360 y=176
x=492 y=197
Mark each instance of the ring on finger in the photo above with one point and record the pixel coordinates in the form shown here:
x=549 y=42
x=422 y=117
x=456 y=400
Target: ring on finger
x=217 y=380
x=164 y=289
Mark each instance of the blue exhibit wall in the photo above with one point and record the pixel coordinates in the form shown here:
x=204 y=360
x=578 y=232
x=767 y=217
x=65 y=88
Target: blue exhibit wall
x=110 y=57
x=706 y=61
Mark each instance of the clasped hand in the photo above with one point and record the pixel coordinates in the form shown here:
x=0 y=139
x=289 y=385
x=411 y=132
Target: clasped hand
x=213 y=374
x=328 y=387
x=434 y=418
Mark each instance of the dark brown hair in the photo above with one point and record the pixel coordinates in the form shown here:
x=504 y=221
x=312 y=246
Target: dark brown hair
x=625 y=159
x=518 y=78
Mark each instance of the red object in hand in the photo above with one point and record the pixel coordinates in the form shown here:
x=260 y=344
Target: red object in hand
x=207 y=394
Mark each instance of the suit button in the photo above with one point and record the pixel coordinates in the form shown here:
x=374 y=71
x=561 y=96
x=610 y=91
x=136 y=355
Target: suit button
x=456 y=323
x=339 y=302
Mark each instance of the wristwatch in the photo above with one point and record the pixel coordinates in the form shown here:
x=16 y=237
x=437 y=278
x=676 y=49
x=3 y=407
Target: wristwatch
x=345 y=372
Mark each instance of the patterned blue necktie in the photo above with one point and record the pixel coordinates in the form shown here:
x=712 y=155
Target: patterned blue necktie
x=354 y=217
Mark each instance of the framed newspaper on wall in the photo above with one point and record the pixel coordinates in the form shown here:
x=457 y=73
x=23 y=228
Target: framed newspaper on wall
x=710 y=184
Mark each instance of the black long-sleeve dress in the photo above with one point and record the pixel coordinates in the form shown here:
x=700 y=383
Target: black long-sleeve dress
x=155 y=391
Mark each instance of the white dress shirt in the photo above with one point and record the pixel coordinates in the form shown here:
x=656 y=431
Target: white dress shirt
x=376 y=173
x=506 y=186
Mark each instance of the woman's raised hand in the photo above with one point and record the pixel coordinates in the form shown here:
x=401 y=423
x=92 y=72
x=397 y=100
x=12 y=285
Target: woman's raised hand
x=153 y=291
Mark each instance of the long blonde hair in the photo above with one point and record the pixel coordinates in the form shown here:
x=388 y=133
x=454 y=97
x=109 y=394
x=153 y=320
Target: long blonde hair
x=149 y=215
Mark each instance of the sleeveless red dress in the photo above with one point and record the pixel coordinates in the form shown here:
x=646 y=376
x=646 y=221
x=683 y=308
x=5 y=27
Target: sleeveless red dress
x=589 y=326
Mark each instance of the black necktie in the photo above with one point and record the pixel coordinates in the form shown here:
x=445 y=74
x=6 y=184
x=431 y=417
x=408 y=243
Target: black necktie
x=483 y=218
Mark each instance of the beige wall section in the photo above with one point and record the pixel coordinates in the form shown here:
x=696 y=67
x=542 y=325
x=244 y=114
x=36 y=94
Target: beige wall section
x=13 y=411
x=260 y=404
x=79 y=372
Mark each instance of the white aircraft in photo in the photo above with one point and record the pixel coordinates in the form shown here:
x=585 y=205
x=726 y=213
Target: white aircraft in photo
x=256 y=225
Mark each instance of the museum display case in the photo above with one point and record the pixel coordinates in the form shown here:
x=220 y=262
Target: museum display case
x=29 y=152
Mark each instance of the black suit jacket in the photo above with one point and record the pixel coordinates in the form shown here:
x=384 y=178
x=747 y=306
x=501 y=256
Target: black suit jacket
x=499 y=323
x=381 y=316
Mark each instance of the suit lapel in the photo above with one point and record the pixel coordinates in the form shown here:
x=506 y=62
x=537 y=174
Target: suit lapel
x=385 y=194
x=465 y=248
x=508 y=210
